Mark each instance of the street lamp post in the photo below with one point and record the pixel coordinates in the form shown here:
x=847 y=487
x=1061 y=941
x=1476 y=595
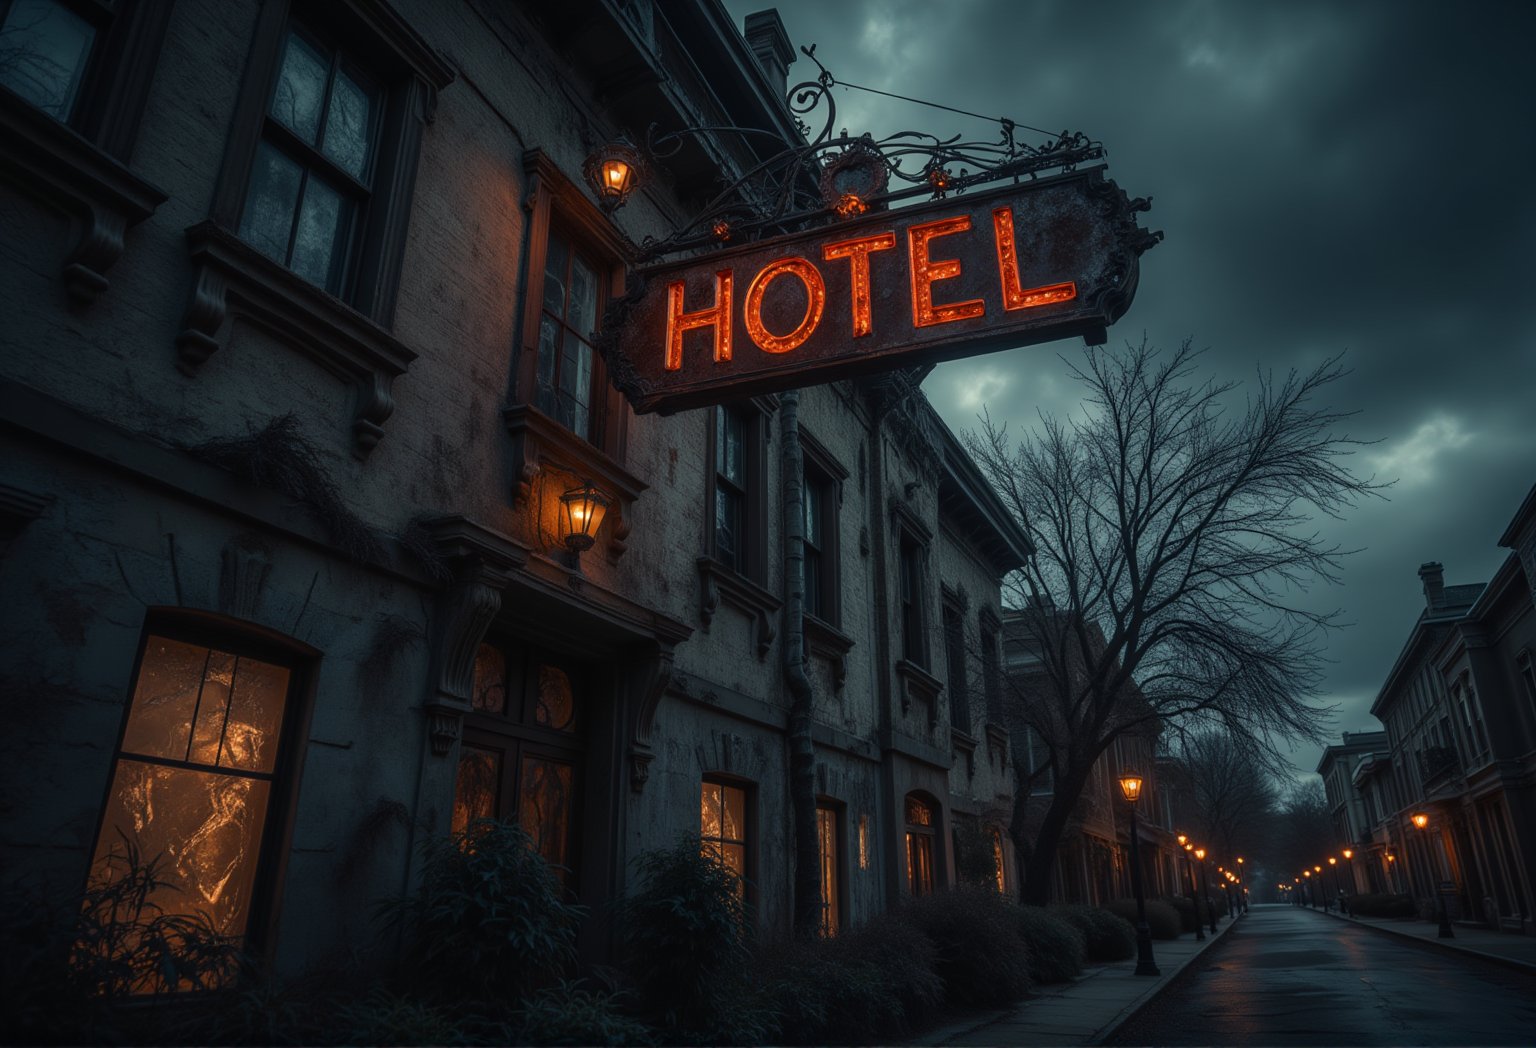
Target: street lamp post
x=1422 y=822
x=1338 y=886
x=1244 y=892
x=1205 y=889
x=1194 y=898
x=1130 y=785
x=1322 y=889
x=1311 y=895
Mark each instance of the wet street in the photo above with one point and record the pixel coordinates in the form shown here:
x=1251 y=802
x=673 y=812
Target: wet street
x=1294 y=977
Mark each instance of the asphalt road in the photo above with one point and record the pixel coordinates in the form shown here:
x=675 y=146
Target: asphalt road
x=1291 y=977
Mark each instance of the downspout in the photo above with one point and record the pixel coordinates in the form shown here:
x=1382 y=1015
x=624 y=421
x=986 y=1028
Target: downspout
x=802 y=748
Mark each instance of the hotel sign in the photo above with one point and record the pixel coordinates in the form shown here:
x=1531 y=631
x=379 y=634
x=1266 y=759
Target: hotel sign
x=1031 y=262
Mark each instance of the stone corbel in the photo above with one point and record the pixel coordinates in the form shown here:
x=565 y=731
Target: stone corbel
x=720 y=584
x=482 y=562
x=649 y=685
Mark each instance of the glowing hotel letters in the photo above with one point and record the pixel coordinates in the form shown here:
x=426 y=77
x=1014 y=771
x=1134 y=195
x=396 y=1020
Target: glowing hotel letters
x=1008 y=267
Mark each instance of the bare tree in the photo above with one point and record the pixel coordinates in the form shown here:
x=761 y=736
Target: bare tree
x=1173 y=547
x=1232 y=792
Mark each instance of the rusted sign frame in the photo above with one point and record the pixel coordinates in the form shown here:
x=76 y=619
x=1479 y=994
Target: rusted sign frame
x=1033 y=262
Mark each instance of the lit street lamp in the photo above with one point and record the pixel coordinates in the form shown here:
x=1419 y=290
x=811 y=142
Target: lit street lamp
x=1205 y=889
x=1422 y=822
x=1130 y=785
x=1194 y=897
x=1338 y=886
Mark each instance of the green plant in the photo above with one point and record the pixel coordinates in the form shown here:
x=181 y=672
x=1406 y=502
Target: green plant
x=1162 y=919
x=1057 y=949
x=489 y=921
x=568 y=1014
x=686 y=939
x=1109 y=938
x=981 y=958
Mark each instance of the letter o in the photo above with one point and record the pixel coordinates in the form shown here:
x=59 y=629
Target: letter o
x=815 y=293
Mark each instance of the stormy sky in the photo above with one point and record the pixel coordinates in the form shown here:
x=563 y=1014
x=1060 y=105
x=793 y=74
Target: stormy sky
x=1331 y=177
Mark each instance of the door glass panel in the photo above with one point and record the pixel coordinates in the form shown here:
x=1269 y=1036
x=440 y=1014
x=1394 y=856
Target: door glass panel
x=546 y=807
x=556 y=704
x=490 y=688
x=477 y=787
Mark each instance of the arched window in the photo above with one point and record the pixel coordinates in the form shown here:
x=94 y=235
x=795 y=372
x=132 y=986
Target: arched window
x=922 y=821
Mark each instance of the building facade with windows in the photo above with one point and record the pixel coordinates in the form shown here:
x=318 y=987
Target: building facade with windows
x=299 y=410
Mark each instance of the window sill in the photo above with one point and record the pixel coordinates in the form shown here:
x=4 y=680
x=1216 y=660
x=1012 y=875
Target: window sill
x=539 y=442
x=997 y=745
x=963 y=744
x=231 y=278
x=917 y=684
x=718 y=583
x=826 y=641
x=56 y=164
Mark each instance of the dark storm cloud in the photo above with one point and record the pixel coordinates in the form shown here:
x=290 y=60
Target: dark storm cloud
x=1330 y=177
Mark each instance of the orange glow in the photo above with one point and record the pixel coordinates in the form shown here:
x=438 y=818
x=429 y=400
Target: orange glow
x=1015 y=296
x=850 y=205
x=1200 y=854
x=721 y=229
x=1332 y=861
x=816 y=295
x=717 y=316
x=926 y=272
x=1348 y=854
x=857 y=253
x=1421 y=821
x=1391 y=858
x=1130 y=785
x=1182 y=838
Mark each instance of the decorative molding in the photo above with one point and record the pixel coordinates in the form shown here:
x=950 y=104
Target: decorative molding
x=917 y=684
x=54 y=163
x=828 y=642
x=245 y=564
x=718 y=583
x=539 y=442
x=482 y=562
x=233 y=278
x=964 y=744
x=649 y=684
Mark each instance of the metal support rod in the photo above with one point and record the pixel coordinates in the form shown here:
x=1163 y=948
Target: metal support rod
x=1144 y=963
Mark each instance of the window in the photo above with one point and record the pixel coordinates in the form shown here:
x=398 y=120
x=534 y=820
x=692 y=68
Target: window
x=863 y=842
x=831 y=883
x=1527 y=676
x=954 y=655
x=521 y=755
x=991 y=679
x=731 y=488
x=312 y=178
x=45 y=51
x=998 y=861
x=1042 y=774
x=922 y=831
x=823 y=488
x=197 y=776
x=723 y=827
x=567 y=388
x=914 y=641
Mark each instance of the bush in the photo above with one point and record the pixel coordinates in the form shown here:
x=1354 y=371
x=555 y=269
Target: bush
x=686 y=937
x=1376 y=904
x=1109 y=938
x=568 y=1014
x=1056 y=948
x=981 y=958
x=489 y=922
x=1184 y=906
x=819 y=996
x=1163 y=920
x=908 y=962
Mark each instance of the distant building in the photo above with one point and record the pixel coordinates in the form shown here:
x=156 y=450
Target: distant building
x=1346 y=805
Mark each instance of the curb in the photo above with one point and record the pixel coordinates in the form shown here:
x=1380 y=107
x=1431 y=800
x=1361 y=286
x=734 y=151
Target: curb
x=1135 y=1008
x=1440 y=944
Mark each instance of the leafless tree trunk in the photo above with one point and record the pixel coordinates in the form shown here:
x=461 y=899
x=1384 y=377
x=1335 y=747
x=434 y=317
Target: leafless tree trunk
x=1173 y=547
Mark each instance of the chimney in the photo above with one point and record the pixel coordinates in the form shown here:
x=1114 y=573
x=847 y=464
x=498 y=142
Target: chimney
x=770 y=43
x=1433 y=574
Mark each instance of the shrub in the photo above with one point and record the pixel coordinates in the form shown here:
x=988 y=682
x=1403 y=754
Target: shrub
x=975 y=861
x=819 y=996
x=1162 y=919
x=981 y=958
x=908 y=962
x=1109 y=938
x=1055 y=946
x=568 y=1014
x=1184 y=906
x=1376 y=904
x=489 y=922
x=685 y=938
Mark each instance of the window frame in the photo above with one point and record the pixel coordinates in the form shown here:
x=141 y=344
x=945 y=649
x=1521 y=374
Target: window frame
x=912 y=596
x=822 y=470
x=833 y=909
x=755 y=416
x=933 y=834
x=748 y=841
x=241 y=639
x=956 y=677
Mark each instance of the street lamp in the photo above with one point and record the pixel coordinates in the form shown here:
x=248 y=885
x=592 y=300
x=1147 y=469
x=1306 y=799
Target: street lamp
x=1422 y=822
x=1194 y=898
x=1245 y=890
x=1338 y=886
x=611 y=173
x=1205 y=889
x=1311 y=895
x=1130 y=785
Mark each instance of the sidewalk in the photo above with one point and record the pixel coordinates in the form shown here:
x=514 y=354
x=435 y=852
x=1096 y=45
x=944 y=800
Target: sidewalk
x=1084 y=1011
x=1510 y=948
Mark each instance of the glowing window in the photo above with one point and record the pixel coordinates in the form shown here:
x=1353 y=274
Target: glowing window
x=826 y=846
x=921 y=831
x=723 y=827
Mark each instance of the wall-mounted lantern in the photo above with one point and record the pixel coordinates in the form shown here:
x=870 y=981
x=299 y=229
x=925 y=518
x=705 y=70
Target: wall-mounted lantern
x=612 y=172
x=581 y=514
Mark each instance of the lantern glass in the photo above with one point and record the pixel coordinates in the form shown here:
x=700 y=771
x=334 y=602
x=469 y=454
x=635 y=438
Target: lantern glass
x=1421 y=820
x=1200 y=854
x=1182 y=838
x=1130 y=785
x=582 y=512
x=612 y=172
x=1348 y=854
